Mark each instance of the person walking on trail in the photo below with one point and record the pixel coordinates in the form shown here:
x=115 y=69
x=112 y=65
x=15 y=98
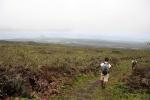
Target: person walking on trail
x=134 y=64
x=105 y=66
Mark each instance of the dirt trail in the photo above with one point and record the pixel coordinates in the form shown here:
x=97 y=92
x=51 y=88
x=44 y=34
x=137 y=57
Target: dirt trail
x=85 y=92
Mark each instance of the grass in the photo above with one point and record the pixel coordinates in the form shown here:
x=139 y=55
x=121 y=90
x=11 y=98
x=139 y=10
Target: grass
x=82 y=61
x=116 y=90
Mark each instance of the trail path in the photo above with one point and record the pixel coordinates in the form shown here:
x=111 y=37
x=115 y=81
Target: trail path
x=92 y=89
x=85 y=92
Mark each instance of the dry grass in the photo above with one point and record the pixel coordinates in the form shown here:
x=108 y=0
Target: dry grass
x=44 y=68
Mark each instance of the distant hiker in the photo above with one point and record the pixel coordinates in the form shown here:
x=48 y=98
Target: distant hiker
x=105 y=66
x=134 y=64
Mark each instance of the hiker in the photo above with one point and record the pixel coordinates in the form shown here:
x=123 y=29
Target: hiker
x=105 y=66
x=134 y=64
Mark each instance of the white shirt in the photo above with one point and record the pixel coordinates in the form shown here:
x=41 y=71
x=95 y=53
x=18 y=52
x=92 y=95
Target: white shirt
x=105 y=62
x=134 y=61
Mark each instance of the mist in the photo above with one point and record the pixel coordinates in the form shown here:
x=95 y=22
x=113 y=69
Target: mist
x=96 y=19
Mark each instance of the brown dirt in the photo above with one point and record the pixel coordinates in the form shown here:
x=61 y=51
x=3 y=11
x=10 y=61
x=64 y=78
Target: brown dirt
x=26 y=83
x=42 y=83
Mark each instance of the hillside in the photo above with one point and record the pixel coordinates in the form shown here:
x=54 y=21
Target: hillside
x=103 y=43
x=39 y=70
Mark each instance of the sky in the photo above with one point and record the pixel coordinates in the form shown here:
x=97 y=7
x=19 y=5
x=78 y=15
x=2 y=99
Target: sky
x=97 y=19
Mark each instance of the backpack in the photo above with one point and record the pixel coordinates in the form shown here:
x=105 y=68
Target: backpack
x=134 y=63
x=105 y=69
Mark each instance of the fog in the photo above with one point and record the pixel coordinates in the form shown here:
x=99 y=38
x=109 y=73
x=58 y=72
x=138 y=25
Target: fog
x=107 y=19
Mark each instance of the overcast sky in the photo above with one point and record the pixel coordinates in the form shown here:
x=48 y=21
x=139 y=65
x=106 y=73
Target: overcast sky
x=121 y=19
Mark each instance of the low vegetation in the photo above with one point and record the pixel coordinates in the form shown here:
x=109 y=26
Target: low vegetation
x=33 y=70
x=140 y=79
